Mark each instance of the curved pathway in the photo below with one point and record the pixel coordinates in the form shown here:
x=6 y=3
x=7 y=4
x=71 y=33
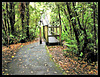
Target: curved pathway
x=33 y=60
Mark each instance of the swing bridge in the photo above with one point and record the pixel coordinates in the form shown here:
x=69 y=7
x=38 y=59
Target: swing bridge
x=51 y=34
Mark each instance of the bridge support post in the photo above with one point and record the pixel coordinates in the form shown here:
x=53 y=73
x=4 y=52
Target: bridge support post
x=46 y=33
x=40 y=36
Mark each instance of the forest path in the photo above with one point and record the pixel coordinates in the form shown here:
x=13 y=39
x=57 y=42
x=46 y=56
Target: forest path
x=33 y=59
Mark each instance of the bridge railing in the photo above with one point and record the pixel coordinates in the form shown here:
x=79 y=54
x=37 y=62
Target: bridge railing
x=50 y=29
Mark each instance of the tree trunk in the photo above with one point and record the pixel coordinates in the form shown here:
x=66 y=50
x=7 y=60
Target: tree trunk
x=84 y=30
x=12 y=16
x=5 y=28
x=60 y=28
x=73 y=24
x=27 y=6
x=94 y=28
x=22 y=10
x=8 y=17
x=59 y=15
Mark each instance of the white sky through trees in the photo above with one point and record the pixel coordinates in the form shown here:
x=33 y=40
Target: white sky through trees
x=45 y=17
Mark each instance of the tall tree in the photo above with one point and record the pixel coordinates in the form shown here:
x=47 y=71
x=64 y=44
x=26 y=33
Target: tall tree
x=65 y=12
x=7 y=13
x=12 y=16
x=73 y=24
x=22 y=15
x=94 y=28
x=27 y=7
x=36 y=17
x=4 y=23
x=82 y=28
x=59 y=14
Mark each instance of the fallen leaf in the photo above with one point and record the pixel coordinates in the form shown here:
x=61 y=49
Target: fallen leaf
x=12 y=56
x=83 y=65
x=91 y=72
x=45 y=64
x=3 y=72
x=6 y=69
x=47 y=69
x=14 y=53
x=67 y=71
x=37 y=58
x=31 y=71
x=19 y=59
x=55 y=72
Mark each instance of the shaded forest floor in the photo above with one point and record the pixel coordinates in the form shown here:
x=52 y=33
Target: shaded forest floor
x=70 y=64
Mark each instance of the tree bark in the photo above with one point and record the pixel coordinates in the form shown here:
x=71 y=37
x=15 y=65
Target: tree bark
x=27 y=6
x=84 y=30
x=7 y=17
x=59 y=15
x=60 y=28
x=12 y=16
x=94 y=28
x=5 y=28
x=73 y=24
x=22 y=10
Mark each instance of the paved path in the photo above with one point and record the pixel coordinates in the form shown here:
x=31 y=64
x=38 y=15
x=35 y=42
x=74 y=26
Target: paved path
x=33 y=59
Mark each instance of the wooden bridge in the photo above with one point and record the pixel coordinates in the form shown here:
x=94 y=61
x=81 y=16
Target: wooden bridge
x=51 y=34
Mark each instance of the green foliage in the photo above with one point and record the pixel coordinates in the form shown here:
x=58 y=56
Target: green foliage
x=84 y=12
x=34 y=18
x=11 y=36
x=81 y=54
x=69 y=37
